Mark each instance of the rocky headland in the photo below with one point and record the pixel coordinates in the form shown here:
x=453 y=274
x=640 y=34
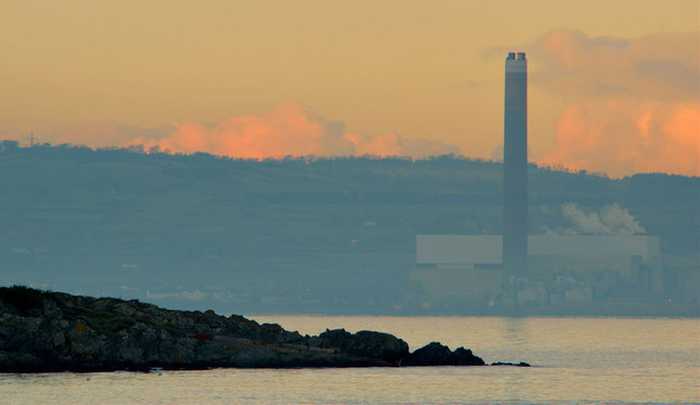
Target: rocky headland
x=42 y=331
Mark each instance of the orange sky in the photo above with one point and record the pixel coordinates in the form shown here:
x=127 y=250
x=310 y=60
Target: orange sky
x=615 y=85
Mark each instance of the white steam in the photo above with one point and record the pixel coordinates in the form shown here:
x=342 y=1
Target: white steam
x=611 y=220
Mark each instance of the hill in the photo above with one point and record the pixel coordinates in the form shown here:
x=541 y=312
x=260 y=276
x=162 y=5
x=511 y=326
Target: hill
x=278 y=235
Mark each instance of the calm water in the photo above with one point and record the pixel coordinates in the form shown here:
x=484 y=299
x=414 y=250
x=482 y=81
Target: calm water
x=577 y=360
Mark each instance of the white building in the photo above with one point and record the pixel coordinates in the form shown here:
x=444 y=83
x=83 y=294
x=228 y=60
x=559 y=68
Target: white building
x=470 y=267
x=476 y=250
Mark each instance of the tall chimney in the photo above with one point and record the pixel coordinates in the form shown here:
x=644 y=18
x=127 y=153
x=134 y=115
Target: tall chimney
x=515 y=194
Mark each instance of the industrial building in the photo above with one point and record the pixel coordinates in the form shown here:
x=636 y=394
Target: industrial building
x=563 y=269
x=474 y=251
x=515 y=269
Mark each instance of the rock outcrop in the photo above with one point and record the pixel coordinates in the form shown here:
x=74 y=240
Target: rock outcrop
x=436 y=354
x=507 y=363
x=48 y=331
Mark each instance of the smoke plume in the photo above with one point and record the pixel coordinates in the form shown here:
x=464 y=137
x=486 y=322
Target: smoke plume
x=611 y=220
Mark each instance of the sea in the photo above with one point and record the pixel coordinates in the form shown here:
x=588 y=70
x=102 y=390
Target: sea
x=574 y=360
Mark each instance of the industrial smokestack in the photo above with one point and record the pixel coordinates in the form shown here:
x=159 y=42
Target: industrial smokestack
x=515 y=194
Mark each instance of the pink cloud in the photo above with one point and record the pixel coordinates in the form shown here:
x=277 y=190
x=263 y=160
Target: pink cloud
x=630 y=105
x=288 y=130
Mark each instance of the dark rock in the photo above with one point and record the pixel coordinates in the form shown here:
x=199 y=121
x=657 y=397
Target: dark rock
x=44 y=331
x=366 y=344
x=436 y=354
x=505 y=363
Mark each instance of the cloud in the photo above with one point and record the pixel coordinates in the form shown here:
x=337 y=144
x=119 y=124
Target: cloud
x=631 y=105
x=661 y=66
x=621 y=136
x=288 y=130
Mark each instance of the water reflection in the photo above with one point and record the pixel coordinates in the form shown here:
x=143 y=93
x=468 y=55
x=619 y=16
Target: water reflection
x=515 y=338
x=515 y=333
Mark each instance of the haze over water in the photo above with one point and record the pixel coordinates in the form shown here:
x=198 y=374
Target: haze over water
x=586 y=360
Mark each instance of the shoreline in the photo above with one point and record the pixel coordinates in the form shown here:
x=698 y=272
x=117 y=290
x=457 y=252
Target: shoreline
x=43 y=331
x=469 y=315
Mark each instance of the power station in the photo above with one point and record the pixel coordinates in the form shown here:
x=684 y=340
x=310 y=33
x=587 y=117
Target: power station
x=567 y=268
x=515 y=193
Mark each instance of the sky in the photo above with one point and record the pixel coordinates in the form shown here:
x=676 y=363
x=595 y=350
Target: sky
x=614 y=85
